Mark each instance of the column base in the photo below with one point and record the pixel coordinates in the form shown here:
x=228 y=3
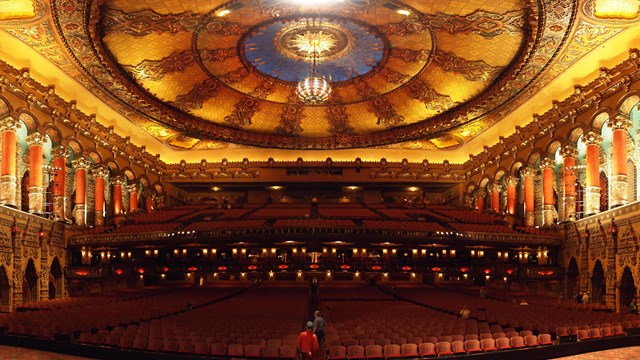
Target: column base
x=569 y=203
x=36 y=200
x=8 y=190
x=59 y=202
x=592 y=200
x=619 y=190
x=98 y=219
x=79 y=214
x=529 y=219
x=548 y=215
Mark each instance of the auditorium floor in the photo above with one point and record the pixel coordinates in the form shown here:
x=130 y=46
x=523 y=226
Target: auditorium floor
x=17 y=353
x=629 y=353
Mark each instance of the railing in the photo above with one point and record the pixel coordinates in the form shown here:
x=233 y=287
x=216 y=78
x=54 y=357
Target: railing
x=306 y=232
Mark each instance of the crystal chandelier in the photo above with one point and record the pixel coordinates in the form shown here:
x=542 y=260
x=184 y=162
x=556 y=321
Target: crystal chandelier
x=314 y=89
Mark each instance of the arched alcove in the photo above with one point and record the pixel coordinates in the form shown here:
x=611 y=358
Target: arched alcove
x=55 y=280
x=627 y=290
x=598 y=283
x=5 y=290
x=572 y=278
x=30 y=283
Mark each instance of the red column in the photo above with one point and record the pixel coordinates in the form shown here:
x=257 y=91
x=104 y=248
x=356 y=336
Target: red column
x=133 y=197
x=117 y=182
x=569 y=176
x=512 y=182
x=548 y=202
x=529 y=196
x=495 y=189
x=592 y=174
x=59 y=165
x=80 y=210
x=8 y=127
x=619 y=185
x=480 y=198
x=99 y=172
x=36 y=187
x=148 y=200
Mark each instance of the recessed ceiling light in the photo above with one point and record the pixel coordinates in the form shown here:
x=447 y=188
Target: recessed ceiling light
x=404 y=12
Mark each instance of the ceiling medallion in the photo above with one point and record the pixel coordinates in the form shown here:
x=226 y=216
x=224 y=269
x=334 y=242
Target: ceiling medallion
x=282 y=48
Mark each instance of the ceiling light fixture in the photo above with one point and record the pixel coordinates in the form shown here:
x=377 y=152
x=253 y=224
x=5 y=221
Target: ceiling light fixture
x=314 y=90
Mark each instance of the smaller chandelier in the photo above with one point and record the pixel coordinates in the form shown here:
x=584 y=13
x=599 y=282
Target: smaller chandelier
x=313 y=90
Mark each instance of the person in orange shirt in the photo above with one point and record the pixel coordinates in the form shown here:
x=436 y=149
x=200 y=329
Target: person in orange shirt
x=308 y=342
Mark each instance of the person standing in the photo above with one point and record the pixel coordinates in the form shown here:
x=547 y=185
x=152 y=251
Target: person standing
x=318 y=327
x=307 y=342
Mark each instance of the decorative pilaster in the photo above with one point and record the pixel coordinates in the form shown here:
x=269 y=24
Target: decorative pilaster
x=511 y=182
x=80 y=210
x=36 y=143
x=529 y=196
x=8 y=137
x=495 y=188
x=592 y=190
x=619 y=185
x=481 y=194
x=133 y=190
x=59 y=173
x=99 y=172
x=548 y=205
x=569 y=154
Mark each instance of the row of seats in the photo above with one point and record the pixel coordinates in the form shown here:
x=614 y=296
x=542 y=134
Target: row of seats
x=224 y=224
x=403 y=225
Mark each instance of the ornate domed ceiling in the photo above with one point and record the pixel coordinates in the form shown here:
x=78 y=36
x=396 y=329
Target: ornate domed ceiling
x=413 y=74
x=399 y=70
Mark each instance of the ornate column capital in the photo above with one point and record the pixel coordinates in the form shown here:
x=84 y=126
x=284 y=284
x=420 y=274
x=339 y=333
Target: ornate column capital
x=133 y=188
x=81 y=163
x=495 y=187
x=569 y=151
x=60 y=152
x=118 y=180
x=620 y=122
x=10 y=123
x=100 y=171
x=547 y=163
x=511 y=180
x=529 y=172
x=592 y=138
x=481 y=192
x=36 y=139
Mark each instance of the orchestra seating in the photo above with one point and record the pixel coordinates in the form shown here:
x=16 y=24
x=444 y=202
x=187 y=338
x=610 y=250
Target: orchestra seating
x=393 y=320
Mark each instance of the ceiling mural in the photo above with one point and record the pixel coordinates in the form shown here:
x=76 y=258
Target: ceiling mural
x=404 y=74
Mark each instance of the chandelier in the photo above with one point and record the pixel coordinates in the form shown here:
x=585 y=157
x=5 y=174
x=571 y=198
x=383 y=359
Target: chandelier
x=314 y=89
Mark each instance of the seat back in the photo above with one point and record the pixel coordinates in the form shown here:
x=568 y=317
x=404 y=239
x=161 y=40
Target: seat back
x=472 y=345
x=545 y=339
x=355 y=351
x=517 y=341
x=531 y=340
x=337 y=352
x=409 y=349
x=373 y=351
x=457 y=347
x=427 y=349
x=392 y=350
x=503 y=343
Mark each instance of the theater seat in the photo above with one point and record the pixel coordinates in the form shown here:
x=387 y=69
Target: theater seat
x=409 y=350
x=457 y=347
x=517 y=342
x=531 y=340
x=488 y=345
x=355 y=352
x=288 y=352
x=502 y=343
x=373 y=352
x=472 y=346
x=443 y=348
x=337 y=353
x=545 y=339
x=427 y=349
x=392 y=351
